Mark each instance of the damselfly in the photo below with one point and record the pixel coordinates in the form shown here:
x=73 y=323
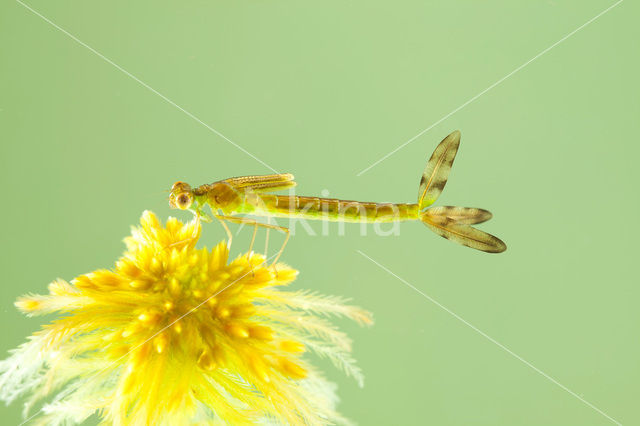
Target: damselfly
x=252 y=195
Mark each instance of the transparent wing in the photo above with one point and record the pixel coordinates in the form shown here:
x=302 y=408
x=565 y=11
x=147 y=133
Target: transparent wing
x=437 y=170
x=264 y=183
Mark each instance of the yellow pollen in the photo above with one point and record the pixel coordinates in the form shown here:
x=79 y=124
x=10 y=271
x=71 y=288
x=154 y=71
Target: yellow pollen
x=261 y=332
x=237 y=330
x=160 y=342
x=223 y=312
x=139 y=284
x=205 y=361
x=175 y=287
x=156 y=266
x=149 y=317
x=291 y=346
x=292 y=369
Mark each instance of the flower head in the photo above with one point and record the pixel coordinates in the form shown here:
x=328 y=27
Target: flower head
x=176 y=335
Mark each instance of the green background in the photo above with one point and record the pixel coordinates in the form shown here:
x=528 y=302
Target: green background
x=323 y=89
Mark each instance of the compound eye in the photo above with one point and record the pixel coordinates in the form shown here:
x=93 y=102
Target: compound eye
x=183 y=201
x=177 y=185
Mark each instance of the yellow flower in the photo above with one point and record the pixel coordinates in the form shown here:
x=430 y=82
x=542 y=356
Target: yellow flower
x=177 y=335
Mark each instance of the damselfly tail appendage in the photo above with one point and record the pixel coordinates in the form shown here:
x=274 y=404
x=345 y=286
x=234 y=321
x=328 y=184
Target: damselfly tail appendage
x=452 y=223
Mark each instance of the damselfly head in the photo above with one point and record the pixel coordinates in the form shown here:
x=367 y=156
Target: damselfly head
x=181 y=196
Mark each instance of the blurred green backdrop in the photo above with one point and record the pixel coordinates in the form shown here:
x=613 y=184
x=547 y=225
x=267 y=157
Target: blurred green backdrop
x=323 y=89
